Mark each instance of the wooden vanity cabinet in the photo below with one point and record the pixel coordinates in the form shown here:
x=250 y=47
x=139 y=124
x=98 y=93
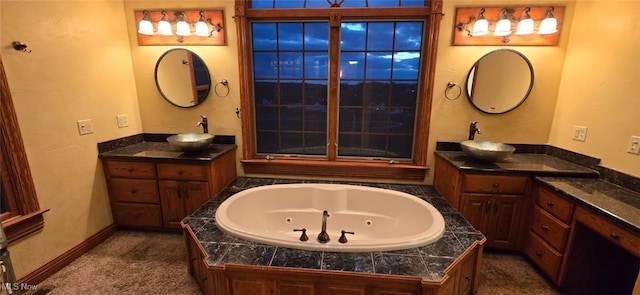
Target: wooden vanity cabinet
x=492 y=203
x=546 y=242
x=158 y=194
x=133 y=191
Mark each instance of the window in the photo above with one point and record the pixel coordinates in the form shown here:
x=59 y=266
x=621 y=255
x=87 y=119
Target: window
x=20 y=215
x=337 y=91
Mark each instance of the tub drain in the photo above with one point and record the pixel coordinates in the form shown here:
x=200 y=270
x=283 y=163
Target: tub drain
x=368 y=223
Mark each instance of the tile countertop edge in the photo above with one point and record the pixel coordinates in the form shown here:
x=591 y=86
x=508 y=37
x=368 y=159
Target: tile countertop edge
x=608 y=195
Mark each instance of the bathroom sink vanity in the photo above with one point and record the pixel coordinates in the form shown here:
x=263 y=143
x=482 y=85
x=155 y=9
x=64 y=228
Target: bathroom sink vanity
x=582 y=232
x=152 y=186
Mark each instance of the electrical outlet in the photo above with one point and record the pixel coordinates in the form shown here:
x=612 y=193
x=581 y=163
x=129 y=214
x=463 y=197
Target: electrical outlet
x=85 y=127
x=634 y=145
x=579 y=133
x=122 y=120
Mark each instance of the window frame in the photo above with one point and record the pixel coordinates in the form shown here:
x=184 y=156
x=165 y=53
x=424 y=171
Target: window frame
x=24 y=215
x=414 y=169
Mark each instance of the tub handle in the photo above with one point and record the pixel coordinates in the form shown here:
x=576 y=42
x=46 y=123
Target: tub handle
x=343 y=238
x=304 y=236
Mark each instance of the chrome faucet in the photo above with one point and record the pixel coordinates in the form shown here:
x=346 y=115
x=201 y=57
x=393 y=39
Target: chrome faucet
x=323 y=237
x=204 y=123
x=473 y=129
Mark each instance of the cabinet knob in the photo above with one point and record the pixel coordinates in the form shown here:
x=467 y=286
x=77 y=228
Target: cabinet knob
x=180 y=172
x=549 y=203
x=545 y=227
x=538 y=253
x=615 y=236
x=496 y=185
x=133 y=191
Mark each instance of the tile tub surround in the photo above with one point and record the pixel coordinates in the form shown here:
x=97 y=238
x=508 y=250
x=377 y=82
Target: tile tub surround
x=428 y=262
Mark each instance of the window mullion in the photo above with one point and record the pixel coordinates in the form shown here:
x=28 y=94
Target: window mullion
x=334 y=82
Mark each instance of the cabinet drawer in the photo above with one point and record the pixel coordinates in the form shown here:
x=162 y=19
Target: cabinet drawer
x=501 y=184
x=137 y=215
x=134 y=190
x=609 y=230
x=131 y=169
x=182 y=171
x=549 y=228
x=543 y=255
x=557 y=205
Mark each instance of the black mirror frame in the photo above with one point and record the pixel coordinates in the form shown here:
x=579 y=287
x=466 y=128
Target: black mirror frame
x=155 y=76
x=526 y=95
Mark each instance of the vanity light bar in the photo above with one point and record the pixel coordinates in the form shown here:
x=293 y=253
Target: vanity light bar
x=180 y=27
x=531 y=25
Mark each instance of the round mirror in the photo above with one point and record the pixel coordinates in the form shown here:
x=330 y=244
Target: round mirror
x=182 y=78
x=500 y=81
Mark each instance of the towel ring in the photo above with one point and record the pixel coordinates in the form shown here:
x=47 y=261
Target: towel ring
x=449 y=86
x=225 y=84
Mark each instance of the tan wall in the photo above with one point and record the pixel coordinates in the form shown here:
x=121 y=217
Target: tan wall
x=600 y=84
x=79 y=68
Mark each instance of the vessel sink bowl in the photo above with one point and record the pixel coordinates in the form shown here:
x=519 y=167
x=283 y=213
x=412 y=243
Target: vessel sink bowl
x=486 y=150
x=190 y=142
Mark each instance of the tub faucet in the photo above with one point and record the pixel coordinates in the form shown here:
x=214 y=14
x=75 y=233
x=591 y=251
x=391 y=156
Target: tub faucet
x=473 y=129
x=323 y=237
x=204 y=123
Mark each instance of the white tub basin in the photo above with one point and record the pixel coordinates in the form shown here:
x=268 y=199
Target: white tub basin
x=382 y=220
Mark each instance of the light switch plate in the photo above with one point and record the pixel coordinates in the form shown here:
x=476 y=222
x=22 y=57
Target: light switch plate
x=85 y=127
x=122 y=120
x=580 y=133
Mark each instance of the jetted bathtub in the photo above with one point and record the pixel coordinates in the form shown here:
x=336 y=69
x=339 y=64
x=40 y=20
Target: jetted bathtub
x=380 y=219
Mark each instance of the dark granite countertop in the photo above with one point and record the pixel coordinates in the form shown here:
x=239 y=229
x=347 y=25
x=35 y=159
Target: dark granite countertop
x=535 y=164
x=427 y=262
x=615 y=202
x=162 y=150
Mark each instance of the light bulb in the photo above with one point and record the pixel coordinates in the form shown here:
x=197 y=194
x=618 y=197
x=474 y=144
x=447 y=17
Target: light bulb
x=548 y=26
x=145 y=27
x=525 y=27
x=182 y=29
x=503 y=28
x=202 y=29
x=480 y=28
x=164 y=28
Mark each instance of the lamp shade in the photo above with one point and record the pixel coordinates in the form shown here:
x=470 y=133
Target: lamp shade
x=202 y=29
x=503 y=28
x=164 y=28
x=182 y=29
x=525 y=27
x=145 y=27
x=480 y=28
x=548 y=26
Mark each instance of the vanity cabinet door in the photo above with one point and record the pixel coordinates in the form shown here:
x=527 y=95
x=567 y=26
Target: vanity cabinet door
x=181 y=198
x=498 y=217
x=477 y=210
x=505 y=221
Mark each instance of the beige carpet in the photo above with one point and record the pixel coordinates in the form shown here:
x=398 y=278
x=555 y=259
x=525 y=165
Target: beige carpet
x=131 y=262
x=505 y=274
